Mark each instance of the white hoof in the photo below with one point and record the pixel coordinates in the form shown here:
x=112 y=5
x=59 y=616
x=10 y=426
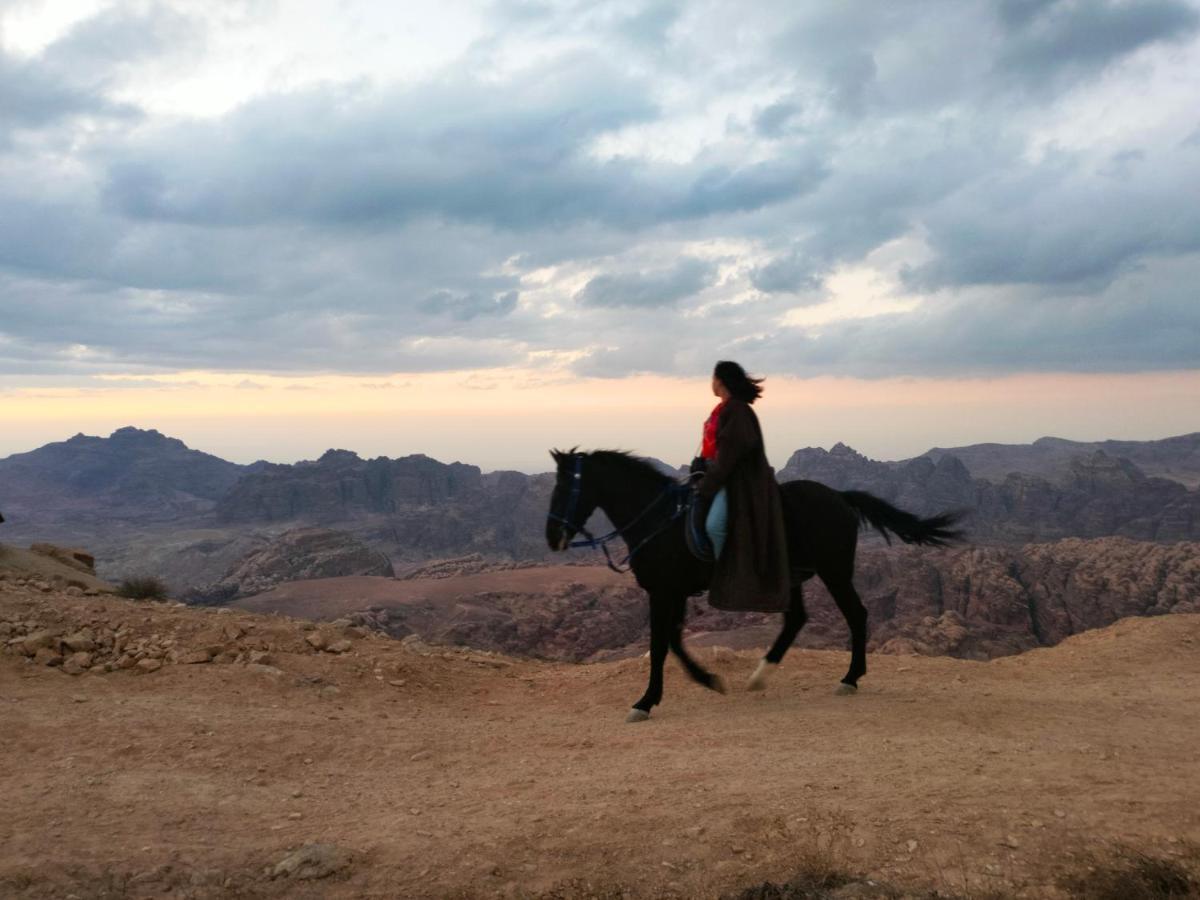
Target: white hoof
x=718 y=685
x=637 y=715
x=846 y=690
x=758 y=681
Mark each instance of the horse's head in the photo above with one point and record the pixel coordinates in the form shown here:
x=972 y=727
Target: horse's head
x=572 y=501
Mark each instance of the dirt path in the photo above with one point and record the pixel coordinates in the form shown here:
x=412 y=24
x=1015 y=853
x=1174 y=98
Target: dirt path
x=475 y=775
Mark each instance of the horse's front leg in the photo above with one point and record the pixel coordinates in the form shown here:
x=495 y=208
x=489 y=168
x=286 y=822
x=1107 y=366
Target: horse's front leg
x=660 y=633
x=698 y=673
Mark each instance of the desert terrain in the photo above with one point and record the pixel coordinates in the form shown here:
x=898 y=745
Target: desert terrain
x=198 y=752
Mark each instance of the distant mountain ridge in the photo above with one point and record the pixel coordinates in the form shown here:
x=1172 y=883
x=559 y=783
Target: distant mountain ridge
x=417 y=506
x=1177 y=458
x=132 y=472
x=141 y=500
x=341 y=482
x=1099 y=495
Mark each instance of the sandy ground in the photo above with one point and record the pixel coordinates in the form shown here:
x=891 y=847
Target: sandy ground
x=460 y=774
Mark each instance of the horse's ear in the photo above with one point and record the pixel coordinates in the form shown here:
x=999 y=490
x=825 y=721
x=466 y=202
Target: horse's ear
x=557 y=456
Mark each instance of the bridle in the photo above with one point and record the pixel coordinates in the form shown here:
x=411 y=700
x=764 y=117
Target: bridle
x=681 y=493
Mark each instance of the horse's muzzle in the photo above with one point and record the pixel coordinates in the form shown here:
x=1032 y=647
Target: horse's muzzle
x=557 y=537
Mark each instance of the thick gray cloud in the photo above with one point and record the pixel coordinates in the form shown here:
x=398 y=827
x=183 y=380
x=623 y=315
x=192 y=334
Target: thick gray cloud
x=507 y=155
x=789 y=274
x=1068 y=39
x=31 y=96
x=465 y=307
x=511 y=156
x=1146 y=320
x=1058 y=224
x=449 y=220
x=648 y=289
x=75 y=74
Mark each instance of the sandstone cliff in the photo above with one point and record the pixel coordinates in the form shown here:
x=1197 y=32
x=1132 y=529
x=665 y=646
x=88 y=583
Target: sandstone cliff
x=994 y=601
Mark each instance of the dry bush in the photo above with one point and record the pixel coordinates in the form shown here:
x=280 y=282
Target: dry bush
x=822 y=864
x=143 y=587
x=1122 y=873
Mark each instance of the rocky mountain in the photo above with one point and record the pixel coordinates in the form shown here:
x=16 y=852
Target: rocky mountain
x=296 y=554
x=341 y=484
x=130 y=475
x=414 y=507
x=1176 y=458
x=1098 y=495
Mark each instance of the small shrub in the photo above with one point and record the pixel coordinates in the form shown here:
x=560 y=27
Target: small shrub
x=143 y=587
x=806 y=885
x=1127 y=874
x=821 y=863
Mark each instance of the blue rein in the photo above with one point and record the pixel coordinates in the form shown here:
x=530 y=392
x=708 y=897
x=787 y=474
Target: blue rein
x=681 y=494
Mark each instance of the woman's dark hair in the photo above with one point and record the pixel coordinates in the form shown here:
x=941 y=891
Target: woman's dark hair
x=740 y=384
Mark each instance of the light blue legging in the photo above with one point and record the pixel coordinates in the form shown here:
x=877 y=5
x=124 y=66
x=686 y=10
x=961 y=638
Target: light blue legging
x=717 y=521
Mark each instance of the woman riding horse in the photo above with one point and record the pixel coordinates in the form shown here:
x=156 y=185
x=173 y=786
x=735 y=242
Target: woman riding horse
x=745 y=514
x=764 y=562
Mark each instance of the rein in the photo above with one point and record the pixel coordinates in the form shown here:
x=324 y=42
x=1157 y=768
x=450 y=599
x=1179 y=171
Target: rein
x=603 y=541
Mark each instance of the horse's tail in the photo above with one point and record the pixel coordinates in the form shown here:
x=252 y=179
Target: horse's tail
x=935 y=531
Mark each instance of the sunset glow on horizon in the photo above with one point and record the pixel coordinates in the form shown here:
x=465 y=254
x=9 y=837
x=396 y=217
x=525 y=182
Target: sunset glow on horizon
x=507 y=419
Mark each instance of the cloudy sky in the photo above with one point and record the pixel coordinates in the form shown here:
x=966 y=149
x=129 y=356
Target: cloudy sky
x=272 y=226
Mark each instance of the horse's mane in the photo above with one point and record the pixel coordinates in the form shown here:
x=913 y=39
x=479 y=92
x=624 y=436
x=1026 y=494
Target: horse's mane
x=634 y=463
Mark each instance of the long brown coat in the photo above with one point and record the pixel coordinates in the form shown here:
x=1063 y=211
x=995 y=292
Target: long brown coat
x=752 y=572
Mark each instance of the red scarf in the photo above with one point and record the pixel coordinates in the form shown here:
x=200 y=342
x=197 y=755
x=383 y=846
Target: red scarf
x=708 y=447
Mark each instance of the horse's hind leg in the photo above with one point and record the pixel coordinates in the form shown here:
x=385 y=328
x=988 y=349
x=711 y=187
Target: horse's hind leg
x=848 y=602
x=793 y=621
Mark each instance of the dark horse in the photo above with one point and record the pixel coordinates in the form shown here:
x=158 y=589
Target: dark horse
x=822 y=532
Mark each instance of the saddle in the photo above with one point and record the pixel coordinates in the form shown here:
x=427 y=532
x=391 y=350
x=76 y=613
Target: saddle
x=695 y=514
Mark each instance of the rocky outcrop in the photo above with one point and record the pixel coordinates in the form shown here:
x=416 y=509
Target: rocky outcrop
x=72 y=558
x=92 y=633
x=46 y=567
x=984 y=602
x=301 y=553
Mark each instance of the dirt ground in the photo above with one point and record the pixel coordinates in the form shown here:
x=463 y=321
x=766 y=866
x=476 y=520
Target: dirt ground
x=442 y=773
